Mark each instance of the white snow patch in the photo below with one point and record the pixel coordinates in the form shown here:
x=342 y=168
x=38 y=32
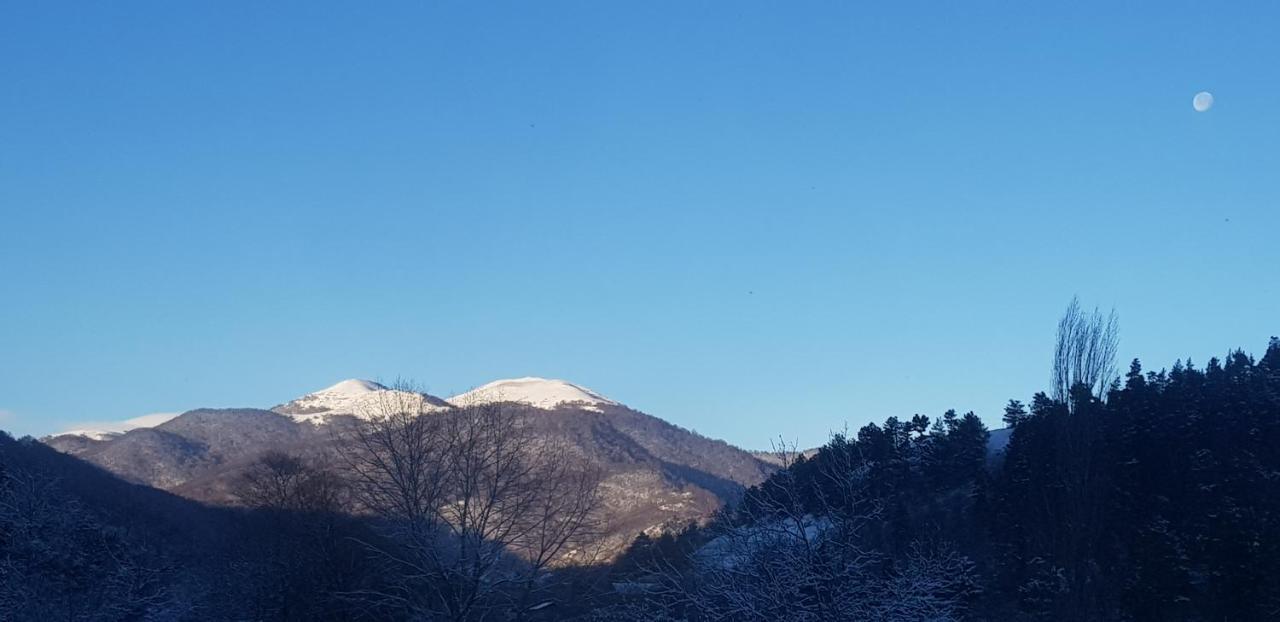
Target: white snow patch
x=93 y=435
x=101 y=431
x=359 y=398
x=539 y=392
x=352 y=386
x=740 y=543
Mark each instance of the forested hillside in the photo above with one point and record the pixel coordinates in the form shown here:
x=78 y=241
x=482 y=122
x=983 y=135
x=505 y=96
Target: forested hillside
x=77 y=543
x=1156 y=498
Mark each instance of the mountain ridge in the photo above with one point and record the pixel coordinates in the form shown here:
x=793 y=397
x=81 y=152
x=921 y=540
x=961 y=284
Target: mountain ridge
x=655 y=473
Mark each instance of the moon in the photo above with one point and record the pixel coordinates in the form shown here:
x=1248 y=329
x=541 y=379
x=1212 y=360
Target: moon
x=1203 y=101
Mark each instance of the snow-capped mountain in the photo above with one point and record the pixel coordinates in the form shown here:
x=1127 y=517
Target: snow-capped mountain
x=359 y=398
x=654 y=473
x=538 y=392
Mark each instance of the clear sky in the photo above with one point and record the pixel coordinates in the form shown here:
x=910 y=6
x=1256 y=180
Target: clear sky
x=751 y=219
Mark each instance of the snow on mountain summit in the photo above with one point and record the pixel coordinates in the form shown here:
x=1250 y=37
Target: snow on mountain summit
x=352 y=386
x=107 y=430
x=539 y=392
x=93 y=435
x=361 y=398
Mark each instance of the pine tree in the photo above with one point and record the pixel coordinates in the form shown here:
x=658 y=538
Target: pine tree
x=1271 y=360
x=1014 y=413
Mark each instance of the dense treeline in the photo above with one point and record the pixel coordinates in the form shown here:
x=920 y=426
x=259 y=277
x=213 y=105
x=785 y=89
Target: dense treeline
x=1162 y=503
x=1159 y=501
x=883 y=525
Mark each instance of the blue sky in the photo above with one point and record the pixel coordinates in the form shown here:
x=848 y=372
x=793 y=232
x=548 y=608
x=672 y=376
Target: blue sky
x=751 y=219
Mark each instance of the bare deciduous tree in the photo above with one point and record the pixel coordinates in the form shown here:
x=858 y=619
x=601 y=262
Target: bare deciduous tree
x=280 y=481
x=1085 y=352
x=477 y=507
x=1083 y=372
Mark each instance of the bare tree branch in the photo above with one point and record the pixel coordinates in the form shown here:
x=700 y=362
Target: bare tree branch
x=477 y=507
x=1085 y=352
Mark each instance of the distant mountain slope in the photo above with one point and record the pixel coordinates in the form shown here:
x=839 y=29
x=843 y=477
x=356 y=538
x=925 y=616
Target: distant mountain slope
x=191 y=445
x=149 y=456
x=76 y=442
x=234 y=431
x=779 y=458
x=998 y=442
x=655 y=473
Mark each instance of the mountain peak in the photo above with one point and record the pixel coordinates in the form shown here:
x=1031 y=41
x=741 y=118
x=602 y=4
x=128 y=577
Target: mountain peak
x=353 y=386
x=353 y=396
x=540 y=392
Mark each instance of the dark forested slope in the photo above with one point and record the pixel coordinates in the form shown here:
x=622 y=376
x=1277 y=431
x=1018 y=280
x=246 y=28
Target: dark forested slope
x=1159 y=502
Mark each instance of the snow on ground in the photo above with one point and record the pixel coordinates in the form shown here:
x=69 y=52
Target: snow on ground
x=738 y=544
x=539 y=392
